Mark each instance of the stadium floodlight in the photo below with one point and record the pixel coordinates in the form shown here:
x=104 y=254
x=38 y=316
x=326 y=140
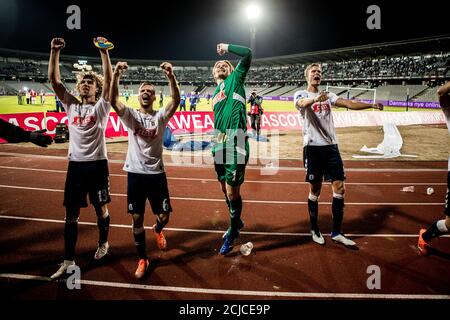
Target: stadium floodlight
x=253 y=12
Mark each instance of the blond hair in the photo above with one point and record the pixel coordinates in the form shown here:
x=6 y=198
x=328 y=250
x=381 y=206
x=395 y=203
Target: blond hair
x=309 y=67
x=98 y=79
x=227 y=62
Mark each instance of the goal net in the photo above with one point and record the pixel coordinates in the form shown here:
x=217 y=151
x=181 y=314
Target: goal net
x=354 y=93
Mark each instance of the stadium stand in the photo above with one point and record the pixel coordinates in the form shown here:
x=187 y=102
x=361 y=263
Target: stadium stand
x=397 y=70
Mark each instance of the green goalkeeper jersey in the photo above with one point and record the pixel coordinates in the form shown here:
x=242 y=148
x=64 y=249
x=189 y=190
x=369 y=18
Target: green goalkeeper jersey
x=229 y=100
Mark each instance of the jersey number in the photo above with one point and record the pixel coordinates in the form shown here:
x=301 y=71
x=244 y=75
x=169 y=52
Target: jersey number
x=103 y=195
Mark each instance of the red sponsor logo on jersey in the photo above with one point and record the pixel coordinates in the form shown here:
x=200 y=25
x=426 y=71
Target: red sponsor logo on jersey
x=78 y=121
x=321 y=107
x=218 y=97
x=149 y=133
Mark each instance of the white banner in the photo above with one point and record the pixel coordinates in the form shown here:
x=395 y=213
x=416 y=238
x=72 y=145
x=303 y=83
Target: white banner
x=377 y=118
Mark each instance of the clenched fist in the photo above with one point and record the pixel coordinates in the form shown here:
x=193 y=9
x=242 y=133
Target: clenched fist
x=222 y=48
x=323 y=96
x=120 y=68
x=57 y=44
x=167 y=67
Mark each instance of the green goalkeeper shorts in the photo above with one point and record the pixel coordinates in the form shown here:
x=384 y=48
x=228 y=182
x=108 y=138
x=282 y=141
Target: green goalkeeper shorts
x=230 y=164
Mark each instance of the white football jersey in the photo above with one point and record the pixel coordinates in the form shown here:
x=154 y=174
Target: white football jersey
x=145 y=139
x=87 y=124
x=311 y=134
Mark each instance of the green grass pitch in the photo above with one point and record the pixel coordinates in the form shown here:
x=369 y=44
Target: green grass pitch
x=8 y=104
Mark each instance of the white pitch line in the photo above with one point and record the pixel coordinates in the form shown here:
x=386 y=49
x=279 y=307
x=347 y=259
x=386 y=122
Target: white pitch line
x=249 y=166
x=258 y=233
x=247 y=181
x=254 y=201
x=237 y=292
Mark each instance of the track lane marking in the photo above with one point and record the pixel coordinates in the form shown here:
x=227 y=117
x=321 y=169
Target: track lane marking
x=259 y=233
x=191 y=290
x=252 y=201
x=250 y=167
x=247 y=181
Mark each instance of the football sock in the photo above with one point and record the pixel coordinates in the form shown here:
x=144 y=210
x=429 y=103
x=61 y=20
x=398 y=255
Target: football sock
x=313 y=208
x=70 y=239
x=337 y=209
x=438 y=228
x=139 y=242
x=103 y=227
x=235 y=215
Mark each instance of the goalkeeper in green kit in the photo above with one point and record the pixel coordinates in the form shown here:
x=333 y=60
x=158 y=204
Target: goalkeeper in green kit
x=231 y=147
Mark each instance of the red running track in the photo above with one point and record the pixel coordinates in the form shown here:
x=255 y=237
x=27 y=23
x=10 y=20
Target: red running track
x=284 y=264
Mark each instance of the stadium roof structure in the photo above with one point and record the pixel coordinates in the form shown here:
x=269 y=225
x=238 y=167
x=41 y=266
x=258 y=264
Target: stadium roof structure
x=437 y=44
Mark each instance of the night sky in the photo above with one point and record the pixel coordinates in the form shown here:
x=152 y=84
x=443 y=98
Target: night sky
x=190 y=29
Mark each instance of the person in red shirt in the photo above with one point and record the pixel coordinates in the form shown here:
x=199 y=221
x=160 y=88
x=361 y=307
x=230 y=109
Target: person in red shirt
x=256 y=111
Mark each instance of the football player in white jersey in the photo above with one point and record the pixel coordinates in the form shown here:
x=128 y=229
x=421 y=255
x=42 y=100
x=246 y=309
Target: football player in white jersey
x=321 y=156
x=144 y=163
x=439 y=227
x=87 y=172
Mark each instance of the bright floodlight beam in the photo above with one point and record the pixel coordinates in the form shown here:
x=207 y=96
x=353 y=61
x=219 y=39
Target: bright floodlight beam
x=253 y=11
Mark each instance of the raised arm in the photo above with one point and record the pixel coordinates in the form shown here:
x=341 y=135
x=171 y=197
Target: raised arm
x=106 y=67
x=244 y=52
x=118 y=106
x=357 y=105
x=444 y=95
x=172 y=106
x=53 y=67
